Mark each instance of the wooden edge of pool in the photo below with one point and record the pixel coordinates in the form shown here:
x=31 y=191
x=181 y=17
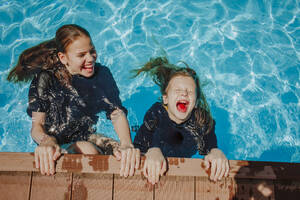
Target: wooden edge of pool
x=11 y=161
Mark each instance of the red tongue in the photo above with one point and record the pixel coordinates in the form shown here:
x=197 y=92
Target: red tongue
x=181 y=107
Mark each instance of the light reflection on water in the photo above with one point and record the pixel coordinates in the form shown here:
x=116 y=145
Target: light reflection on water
x=248 y=51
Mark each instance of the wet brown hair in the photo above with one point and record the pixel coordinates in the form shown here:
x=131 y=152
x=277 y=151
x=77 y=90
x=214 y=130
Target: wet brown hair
x=161 y=71
x=44 y=56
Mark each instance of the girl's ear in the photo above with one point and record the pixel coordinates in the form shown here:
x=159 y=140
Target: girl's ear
x=62 y=58
x=165 y=99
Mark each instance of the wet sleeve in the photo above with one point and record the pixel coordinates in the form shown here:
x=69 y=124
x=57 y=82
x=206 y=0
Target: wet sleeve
x=144 y=138
x=38 y=96
x=210 y=140
x=112 y=100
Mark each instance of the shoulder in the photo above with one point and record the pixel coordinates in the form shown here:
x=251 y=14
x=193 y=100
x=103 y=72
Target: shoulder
x=43 y=78
x=157 y=107
x=155 y=112
x=101 y=69
x=103 y=73
x=202 y=120
x=42 y=83
x=151 y=118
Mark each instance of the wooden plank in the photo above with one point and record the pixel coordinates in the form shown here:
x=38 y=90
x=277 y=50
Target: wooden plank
x=12 y=161
x=15 y=185
x=254 y=189
x=264 y=170
x=92 y=186
x=132 y=188
x=209 y=190
x=287 y=189
x=175 y=187
x=177 y=166
x=53 y=187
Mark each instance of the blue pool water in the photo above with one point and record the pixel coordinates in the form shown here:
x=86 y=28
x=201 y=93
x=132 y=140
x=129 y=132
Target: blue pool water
x=248 y=51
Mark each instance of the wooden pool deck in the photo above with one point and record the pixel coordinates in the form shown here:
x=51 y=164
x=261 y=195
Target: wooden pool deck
x=81 y=177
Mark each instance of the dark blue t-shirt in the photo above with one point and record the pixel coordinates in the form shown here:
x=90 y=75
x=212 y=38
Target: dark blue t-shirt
x=174 y=140
x=71 y=112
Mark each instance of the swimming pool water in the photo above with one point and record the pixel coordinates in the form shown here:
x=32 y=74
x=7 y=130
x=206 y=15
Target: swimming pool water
x=248 y=52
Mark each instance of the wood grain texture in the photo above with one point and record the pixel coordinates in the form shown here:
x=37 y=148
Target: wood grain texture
x=83 y=177
x=15 y=185
x=220 y=190
x=133 y=188
x=92 y=186
x=53 y=187
x=175 y=188
x=177 y=166
x=287 y=189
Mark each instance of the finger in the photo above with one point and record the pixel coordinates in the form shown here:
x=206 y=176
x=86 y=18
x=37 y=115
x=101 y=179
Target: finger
x=149 y=171
x=123 y=160
x=145 y=168
x=117 y=154
x=57 y=153
x=132 y=163
x=51 y=162
x=128 y=162
x=223 y=169
x=227 y=169
x=42 y=163
x=163 y=168
x=152 y=173
x=206 y=163
x=36 y=158
x=213 y=170
x=137 y=159
x=157 y=171
x=46 y=163
x=218 y=169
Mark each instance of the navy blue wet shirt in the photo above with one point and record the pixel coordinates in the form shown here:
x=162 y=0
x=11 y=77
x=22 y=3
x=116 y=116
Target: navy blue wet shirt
x=71 y=112
x=174 y=140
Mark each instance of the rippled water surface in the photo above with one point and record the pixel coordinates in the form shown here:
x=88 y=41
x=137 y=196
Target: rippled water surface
x=248 y=51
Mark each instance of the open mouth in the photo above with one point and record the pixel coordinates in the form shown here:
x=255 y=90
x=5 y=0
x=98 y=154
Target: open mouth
x=88 y=68
x=182 y=106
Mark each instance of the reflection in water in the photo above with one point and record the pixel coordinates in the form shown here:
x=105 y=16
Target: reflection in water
x=248 y=51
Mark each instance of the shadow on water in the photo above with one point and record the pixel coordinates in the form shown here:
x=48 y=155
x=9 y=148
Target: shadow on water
x=139 y=103
x=277 y=154
x=255 y=179
x=222 y=129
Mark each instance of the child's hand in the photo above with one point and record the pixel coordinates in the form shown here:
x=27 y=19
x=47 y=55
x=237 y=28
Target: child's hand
x=130 y=159
x=217 y=161
x=45 y=156
x=155 y=165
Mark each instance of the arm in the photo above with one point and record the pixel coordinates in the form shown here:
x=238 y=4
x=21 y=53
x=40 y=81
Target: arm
x=120 y=123
x=130 y=156
x=155 y=164
x=215 y=158
x=47 y=151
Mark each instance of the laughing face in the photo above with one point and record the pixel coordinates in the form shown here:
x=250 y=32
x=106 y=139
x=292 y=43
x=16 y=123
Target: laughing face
x=80 y=57
x=180 y=98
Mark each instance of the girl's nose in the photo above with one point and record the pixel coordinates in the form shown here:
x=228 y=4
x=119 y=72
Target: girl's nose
x=90 y=57
x=184 y=93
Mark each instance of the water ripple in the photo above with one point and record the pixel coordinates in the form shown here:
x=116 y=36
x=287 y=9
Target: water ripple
x=247 y=51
